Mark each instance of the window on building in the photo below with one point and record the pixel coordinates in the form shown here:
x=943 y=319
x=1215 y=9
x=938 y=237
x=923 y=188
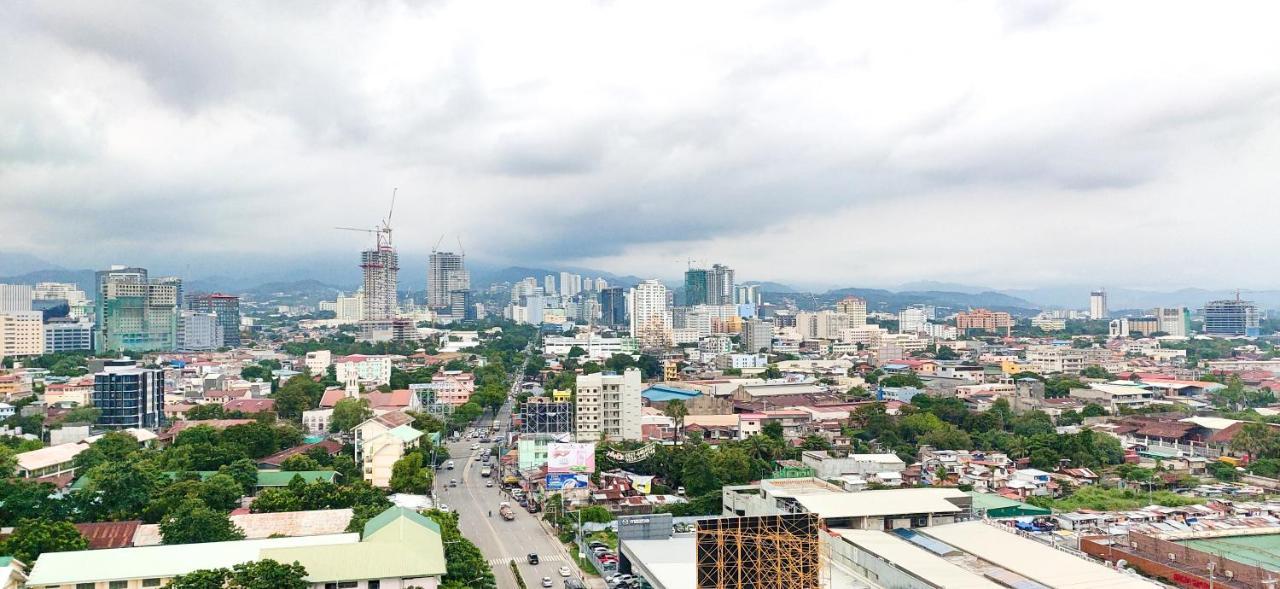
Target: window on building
x=85 y=585
x=118 y=585
x=375 y=585
x=151 y=582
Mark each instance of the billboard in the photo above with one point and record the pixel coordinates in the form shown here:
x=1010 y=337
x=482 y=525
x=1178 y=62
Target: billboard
x=576 y=457
x=560 y=481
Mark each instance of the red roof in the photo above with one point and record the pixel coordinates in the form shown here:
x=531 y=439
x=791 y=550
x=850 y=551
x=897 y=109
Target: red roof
x=330 y=446
x=331 y=397
x=393 y=400
x=250 y=405
x=177 y=428
x=108 y=534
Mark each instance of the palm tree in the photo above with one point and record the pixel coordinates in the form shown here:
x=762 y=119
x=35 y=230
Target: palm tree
x=676 y=410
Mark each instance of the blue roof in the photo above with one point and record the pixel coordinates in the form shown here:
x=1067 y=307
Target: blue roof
x=667 y=393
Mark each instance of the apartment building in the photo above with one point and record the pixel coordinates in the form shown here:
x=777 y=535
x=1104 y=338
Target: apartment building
x=608 y=406
x=21 y=333
x=380 y=442
x=983 y=319
x=359 y=368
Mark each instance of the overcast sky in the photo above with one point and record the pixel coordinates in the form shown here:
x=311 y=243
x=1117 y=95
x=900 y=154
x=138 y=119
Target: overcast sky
x=1011 y=144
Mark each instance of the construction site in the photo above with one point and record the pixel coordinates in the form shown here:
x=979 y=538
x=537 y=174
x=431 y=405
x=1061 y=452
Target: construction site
x=772 y=551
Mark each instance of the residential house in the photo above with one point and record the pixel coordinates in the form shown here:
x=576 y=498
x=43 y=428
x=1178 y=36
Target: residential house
x=380 y=442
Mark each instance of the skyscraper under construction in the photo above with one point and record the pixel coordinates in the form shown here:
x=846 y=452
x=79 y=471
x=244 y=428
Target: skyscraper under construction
x=381 y=266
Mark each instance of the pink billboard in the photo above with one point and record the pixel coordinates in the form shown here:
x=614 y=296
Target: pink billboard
x=571 y=457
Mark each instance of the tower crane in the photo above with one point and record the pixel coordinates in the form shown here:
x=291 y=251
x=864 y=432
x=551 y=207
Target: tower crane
x=383 y=231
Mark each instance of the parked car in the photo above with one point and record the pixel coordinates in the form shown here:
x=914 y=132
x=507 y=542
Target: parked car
x=564 y=571
x=596 y=544
x=546 y=581
x=533 y=558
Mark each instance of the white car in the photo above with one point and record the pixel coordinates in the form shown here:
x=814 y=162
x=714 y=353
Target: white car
x=546 y=581
x=564 y=571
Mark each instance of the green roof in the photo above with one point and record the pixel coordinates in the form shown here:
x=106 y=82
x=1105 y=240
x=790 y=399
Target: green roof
x=998 y=506
x=405 y=433
x=266 y=478
x=398 y=515
x=397 y=543
x=5 y=560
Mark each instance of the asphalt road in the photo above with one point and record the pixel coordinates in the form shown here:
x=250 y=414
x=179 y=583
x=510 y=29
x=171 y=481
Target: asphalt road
x=501 y=541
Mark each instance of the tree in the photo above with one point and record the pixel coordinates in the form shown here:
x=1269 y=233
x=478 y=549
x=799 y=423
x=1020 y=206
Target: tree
x=731 y=465
x=244 y=472
x=773 y=429
x=677 y=411
x=348 y=413
x=1096 y=371
x=299 y=462
x=33 y=537
x=771 y=371
x=120 y=491
x=1258 y=440
x=221 y=492
x=259 y=574
x=111 y=448
x=206 y=411
x=192 y=523
x=29 y=499
x=8 y=462
x=1093 y=410
x=408 y=475
x=82 y=415
x=296 y=395
x=906 y=379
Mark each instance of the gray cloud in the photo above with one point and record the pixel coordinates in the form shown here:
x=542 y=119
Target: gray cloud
x=781 y=139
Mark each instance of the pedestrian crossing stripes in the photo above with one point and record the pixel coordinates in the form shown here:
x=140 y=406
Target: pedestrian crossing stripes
x=524 y=558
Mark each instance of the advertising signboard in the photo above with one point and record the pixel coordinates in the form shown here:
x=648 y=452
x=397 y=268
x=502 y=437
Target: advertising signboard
x=560 y=481
x=577 y=457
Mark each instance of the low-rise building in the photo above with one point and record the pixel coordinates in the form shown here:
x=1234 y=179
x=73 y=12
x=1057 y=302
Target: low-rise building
x=397 y=549
x=380 y=442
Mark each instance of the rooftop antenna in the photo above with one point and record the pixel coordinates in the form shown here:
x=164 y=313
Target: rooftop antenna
x=461 y=252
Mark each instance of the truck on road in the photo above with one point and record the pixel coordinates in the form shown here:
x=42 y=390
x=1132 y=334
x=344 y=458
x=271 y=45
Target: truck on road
x=486 y=471
x=506 y=513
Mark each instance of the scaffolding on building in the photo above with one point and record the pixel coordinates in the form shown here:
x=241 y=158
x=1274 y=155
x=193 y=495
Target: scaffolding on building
x=767 y=552
x=544 y=416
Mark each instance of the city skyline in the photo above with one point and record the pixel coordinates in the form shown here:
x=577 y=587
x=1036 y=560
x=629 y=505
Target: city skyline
x=846 y=121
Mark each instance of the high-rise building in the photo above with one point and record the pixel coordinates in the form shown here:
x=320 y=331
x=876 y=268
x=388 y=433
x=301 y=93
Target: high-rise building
x=695 y=287
x=21 y=333
x=227 y=308
x=747 y=294
x=67 y=335
x=720 y=285
x=549 y=285
x=613 y=306
x=15 y=297
x=650 y=314
x=129 y=395
x=134 y=313
x=608 y=406
x=912 y=320
x=381 y=268
x=350 y=309
x=446 y=274
x=1175 y=321
x=757 y=335
x=462 y=305
x=1231 y=317
x=855 y=308
x=200 y=331
x=1098 y=304
x=570 y=284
